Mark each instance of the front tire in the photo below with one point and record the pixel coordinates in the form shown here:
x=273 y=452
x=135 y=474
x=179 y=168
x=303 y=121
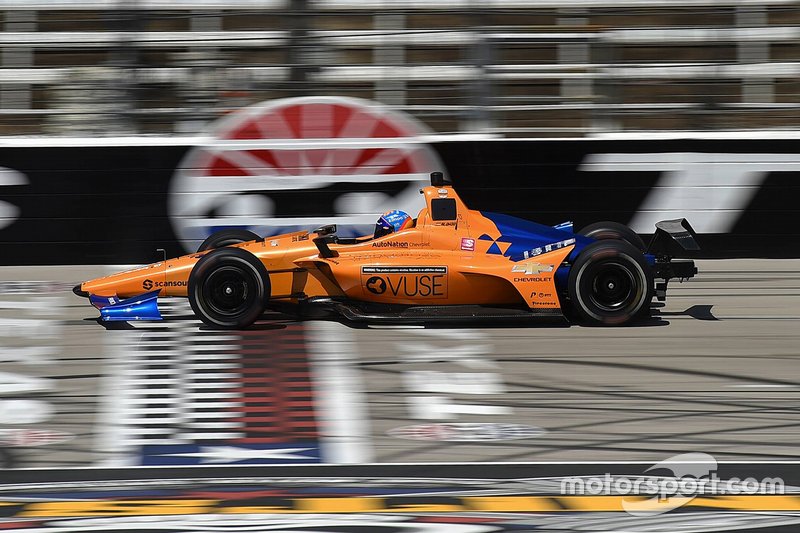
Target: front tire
x=229 y=288
x=610 y=283
x=226 y=237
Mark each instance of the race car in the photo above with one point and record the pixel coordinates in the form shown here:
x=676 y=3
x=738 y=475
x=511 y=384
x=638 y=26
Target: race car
x=449 y=263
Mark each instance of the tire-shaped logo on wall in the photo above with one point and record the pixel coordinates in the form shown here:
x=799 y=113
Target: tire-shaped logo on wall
x=297 y=163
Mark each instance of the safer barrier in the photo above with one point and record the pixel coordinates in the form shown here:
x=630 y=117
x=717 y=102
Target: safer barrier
x=81 y=201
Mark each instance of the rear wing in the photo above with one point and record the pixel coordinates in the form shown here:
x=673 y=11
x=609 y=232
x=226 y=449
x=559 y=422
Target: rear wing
x=674 y=238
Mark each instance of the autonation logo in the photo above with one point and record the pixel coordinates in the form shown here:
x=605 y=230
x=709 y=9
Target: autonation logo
x=693 y=474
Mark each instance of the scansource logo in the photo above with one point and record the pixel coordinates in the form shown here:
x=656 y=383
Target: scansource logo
x=693 y=474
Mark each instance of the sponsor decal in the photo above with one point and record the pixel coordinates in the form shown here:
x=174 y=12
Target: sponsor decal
x=548 y=248
x=149 y=284
x=390 y=244
x=404 y=270
x=530 y=268
x=541 y=295
x=466 y=432
x=298 y=238
x=371 y=257
x=468 y=244
x=442 y=193
x=535 y=279
x=400 y=244
x=172 y=283
x=497 y=247
x=406 y=281
x=376 y=285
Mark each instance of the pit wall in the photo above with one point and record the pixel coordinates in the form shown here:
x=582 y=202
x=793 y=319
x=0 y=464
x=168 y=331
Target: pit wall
x=84 y=202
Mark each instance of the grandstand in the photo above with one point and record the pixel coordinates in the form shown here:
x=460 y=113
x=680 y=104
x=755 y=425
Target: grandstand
x=513 y=68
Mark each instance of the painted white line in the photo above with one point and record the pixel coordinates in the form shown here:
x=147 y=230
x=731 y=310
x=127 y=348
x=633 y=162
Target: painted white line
x=340 y=403
x=441 y=408
x=766 y=386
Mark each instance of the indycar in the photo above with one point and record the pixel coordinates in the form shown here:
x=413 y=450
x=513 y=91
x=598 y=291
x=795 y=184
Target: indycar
x=452 y=263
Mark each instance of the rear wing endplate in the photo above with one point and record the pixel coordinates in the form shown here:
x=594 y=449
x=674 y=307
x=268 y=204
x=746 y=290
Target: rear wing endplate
x=674 y=238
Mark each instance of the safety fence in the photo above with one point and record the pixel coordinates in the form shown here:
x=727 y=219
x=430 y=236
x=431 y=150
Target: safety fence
x=501 y=67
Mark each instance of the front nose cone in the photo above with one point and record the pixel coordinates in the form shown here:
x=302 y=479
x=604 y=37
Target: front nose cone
x=78 y=292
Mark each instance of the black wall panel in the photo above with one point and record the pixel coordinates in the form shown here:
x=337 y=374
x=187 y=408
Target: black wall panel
x=97 y=204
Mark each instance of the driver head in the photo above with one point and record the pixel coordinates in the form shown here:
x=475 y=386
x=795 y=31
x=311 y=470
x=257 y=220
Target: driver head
x=392 y=222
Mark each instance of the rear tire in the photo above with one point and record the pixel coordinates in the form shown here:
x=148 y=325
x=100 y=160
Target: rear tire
x=610 y=284
x=229 y=288
x=226 y=237
x=613 y=230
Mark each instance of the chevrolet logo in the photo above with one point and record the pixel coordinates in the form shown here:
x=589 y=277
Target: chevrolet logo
x=530 y=268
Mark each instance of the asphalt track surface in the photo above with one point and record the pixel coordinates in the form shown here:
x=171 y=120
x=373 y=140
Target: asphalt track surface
x=714 y=372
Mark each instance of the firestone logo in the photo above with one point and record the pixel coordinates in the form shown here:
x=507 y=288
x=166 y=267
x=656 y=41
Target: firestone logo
x=530 y=268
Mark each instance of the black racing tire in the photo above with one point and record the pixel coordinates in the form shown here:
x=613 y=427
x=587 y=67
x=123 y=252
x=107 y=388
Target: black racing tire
x=613 y=230
x=229 y=288
x=226 y=237
x=610 y=284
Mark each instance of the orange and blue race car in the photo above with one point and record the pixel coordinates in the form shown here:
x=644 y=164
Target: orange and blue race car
x=450 y=263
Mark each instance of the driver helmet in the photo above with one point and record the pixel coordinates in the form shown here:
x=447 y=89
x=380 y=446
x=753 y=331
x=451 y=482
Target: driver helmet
x=391 y=222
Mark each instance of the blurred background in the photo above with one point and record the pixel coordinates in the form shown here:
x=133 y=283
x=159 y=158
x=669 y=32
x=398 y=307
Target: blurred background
x=130 y=127
x=515 y=68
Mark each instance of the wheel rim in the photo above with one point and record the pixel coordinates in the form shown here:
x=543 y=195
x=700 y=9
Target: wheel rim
x=613 y=286
x=228 y=291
